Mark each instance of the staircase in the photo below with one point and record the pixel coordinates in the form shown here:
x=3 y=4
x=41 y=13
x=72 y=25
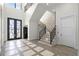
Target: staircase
x=42 y=30
x=47 y=36
x=52 y=34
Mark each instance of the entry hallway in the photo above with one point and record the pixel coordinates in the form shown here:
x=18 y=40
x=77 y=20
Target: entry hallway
x=25 y=47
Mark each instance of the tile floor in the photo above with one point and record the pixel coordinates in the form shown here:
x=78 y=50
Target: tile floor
x=23 y=47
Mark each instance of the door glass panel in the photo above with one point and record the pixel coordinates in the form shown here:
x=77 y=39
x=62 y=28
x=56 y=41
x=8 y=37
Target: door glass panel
x=18 y=29
x=11 y=29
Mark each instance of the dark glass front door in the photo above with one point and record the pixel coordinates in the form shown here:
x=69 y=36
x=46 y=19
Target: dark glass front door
x=14 y=29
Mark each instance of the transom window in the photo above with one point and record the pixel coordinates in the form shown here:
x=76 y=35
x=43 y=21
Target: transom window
x=14 y=5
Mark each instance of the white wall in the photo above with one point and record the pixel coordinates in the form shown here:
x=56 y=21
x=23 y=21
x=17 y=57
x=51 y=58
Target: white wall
x=77 y=30
x=33 y=29
x=13 y=13
x=62 y=11
x=29 y=13
x=0 y=28
x=34 y=21
x=49 y=20
x=33 y=15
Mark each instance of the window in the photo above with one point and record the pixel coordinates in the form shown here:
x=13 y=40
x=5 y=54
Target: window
x=18 y=6
x=11 y=5
x=14 y=5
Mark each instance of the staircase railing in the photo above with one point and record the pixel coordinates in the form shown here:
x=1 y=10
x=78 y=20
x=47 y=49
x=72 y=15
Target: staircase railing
x=52 y=34
x=42 y=32
x=27 y=6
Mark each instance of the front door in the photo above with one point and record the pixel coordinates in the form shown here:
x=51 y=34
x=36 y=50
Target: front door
x=14 y=29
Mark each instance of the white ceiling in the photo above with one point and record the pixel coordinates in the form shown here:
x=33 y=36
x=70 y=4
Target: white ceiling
x=52 y=6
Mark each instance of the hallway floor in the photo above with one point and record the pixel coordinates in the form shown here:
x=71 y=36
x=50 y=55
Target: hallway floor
x=24 y=47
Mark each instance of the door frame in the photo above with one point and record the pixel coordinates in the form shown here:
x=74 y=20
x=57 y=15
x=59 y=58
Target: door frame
x=15 y=37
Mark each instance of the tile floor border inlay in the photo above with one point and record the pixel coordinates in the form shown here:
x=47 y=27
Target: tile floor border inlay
x=35 y=48
x=29 y=53
x=47 y=53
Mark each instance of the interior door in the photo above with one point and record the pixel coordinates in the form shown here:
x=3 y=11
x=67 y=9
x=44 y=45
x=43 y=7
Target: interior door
x=25 y=32
x=14 y=29
x=68 y=31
